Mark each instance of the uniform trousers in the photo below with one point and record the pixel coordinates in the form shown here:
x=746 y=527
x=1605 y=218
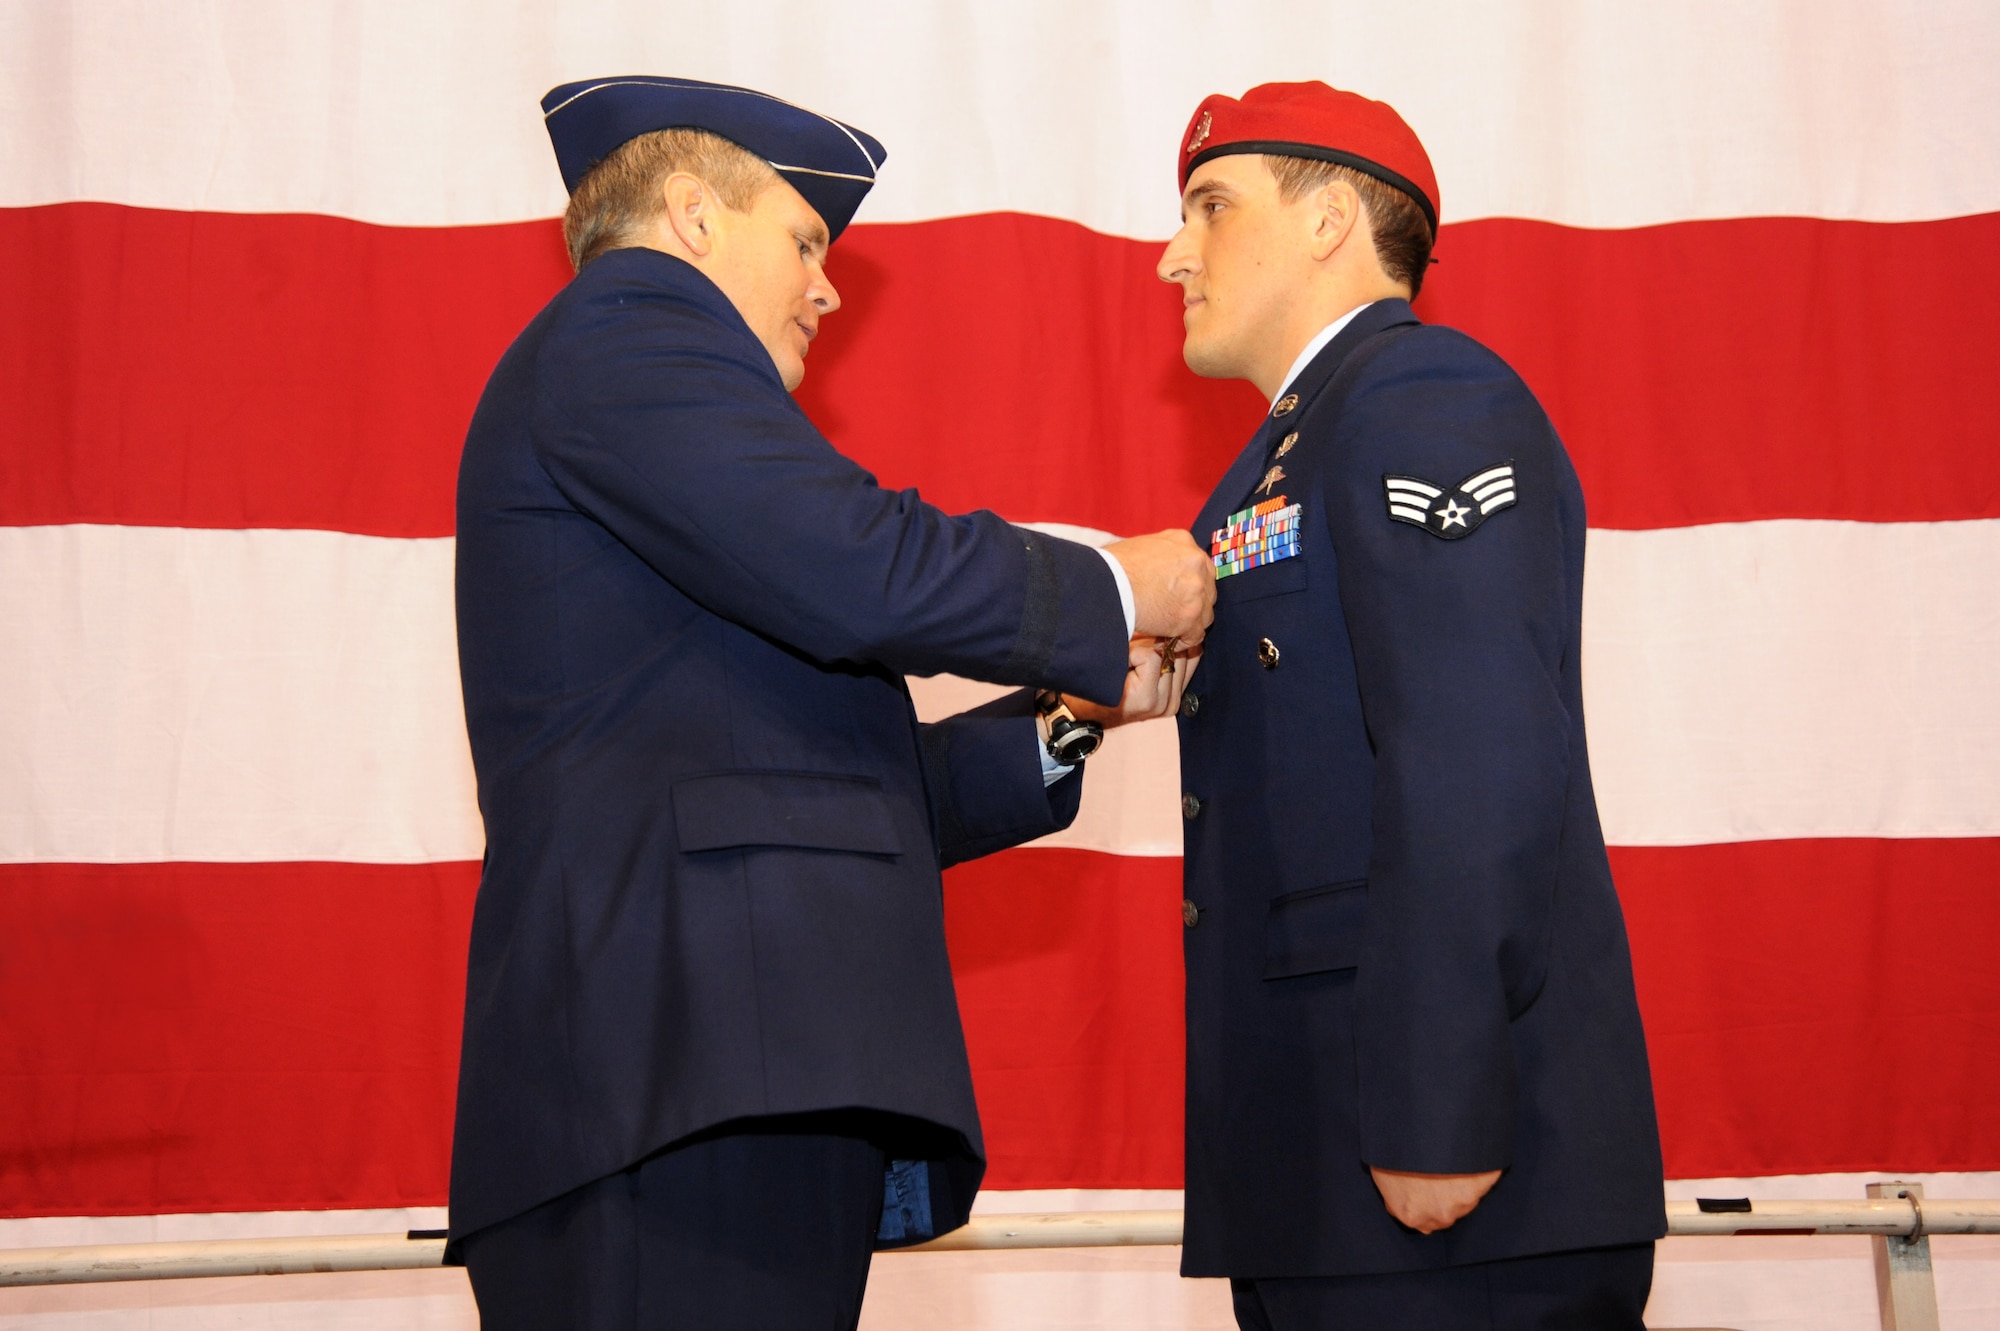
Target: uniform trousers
x=768 y=1225
x=1599 y=1289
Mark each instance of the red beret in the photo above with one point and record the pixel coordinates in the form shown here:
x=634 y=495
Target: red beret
x=1313 y=120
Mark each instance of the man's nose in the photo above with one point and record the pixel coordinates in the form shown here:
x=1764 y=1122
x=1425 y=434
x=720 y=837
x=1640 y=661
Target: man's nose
x=1177 y=260
x=824 y=298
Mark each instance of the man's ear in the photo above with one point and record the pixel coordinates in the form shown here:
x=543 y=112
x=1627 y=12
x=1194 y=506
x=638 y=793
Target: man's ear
x=690 y=211
x=1338 y=216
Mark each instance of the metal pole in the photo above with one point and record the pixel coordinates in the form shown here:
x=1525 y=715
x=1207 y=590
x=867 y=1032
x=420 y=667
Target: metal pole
x=1061 y=1229
x=1904 y=1290
x=217 y=1257
x=1886 y=1214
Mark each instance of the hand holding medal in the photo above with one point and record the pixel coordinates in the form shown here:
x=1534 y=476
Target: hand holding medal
x=1157 y=674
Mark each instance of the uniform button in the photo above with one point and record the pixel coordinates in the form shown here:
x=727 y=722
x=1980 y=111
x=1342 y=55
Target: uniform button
x=1267 y=653
x=1190 y=704
x=1285 y=405
x=1190 y=806
x=1190 y=914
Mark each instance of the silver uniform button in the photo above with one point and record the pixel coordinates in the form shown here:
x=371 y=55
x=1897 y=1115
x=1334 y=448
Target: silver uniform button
x=1190 y=704
x=1190 y=806
x=1267 y=654
x=1190 y=914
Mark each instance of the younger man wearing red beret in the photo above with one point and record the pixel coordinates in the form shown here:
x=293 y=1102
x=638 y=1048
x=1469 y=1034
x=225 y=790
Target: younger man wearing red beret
x=1417 y=1084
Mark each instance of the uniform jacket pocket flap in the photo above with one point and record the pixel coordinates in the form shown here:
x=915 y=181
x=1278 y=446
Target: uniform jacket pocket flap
x=1318 y=929
x=1287 y=575
x=813 y=810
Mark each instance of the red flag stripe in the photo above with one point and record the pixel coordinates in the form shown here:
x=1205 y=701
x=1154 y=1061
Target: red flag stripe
x=221 y=370
x=216 y=1037
x=248 y=1037
x=1816 y=1006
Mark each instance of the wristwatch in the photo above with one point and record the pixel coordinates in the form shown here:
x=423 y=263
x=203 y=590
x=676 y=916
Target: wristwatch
x=1070 y=741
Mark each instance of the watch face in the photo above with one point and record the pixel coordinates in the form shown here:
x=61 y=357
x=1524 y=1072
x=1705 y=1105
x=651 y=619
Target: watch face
x=1070 y=743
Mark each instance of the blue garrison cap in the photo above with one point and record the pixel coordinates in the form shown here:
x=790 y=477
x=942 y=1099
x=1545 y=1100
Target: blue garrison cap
x=831 y=164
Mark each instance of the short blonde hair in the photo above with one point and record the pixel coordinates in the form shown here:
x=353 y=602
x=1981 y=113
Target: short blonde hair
x=1401 y=232
x=622 y=192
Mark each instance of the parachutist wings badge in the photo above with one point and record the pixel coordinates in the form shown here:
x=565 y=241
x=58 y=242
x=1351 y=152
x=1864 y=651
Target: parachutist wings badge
x=1454 y=512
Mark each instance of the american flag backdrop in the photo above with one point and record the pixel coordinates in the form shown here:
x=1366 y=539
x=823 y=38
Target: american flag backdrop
x=257 y=260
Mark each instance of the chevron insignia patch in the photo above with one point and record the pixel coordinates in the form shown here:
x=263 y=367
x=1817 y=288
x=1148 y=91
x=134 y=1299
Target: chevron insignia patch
x=1455 y=512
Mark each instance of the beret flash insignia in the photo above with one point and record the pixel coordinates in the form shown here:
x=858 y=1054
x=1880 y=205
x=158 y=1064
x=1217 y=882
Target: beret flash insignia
x=1200 y=135
x=1453 y=513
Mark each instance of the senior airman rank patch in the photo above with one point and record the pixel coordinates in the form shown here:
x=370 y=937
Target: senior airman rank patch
x=1453 y=513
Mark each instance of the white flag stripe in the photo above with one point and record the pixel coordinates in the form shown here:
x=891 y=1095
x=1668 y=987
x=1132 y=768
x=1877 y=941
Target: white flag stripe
x=175 y=694
x=427 y=114
x=1794 y=679
x=179 y=694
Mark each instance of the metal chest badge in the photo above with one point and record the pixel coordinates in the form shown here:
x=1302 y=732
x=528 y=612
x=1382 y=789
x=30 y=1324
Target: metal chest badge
x=1261 y=535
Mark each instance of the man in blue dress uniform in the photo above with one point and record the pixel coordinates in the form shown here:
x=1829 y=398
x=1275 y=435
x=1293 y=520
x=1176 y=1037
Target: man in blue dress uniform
x=712 y=1057
x=1417 y=1086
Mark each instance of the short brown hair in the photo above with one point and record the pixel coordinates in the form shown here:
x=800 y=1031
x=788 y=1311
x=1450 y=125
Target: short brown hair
x=622 y=192
x=1401 y=233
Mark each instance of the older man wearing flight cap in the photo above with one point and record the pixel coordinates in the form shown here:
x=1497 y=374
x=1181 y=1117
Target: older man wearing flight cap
x=1417 y=1091
x=712 y=1057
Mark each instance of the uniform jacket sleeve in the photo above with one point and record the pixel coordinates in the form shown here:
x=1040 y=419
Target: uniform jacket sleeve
x=663 y=419
x=1457 y=649
x=985 y=780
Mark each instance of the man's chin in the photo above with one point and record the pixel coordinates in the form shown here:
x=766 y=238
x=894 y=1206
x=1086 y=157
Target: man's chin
x=1208 y=360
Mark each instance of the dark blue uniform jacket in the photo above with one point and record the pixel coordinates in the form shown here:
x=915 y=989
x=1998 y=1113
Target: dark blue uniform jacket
x=1408 y=952
x=714 y=824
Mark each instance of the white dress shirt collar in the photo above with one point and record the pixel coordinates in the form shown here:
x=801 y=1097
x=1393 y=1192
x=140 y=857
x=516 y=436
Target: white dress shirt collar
x=1314 y=347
